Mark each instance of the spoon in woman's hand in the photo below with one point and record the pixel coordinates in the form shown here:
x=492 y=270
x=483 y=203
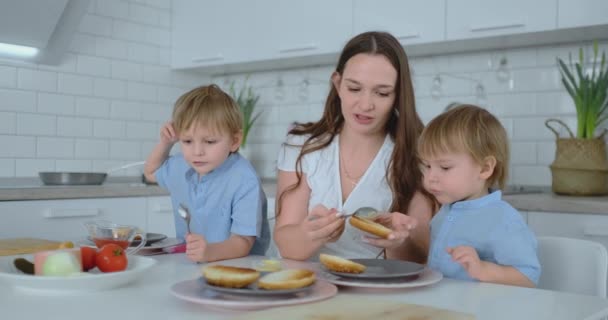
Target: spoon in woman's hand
x=185 y=214
x=365 y=212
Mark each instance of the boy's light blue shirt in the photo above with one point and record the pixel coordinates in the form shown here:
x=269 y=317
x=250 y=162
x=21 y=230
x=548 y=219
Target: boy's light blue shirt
x=490 y=225
x=229 y=199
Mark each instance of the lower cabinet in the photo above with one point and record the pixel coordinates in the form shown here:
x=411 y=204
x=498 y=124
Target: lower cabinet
x=63 y=219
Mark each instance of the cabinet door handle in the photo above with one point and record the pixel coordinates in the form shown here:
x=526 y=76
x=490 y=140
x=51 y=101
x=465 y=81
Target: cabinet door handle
x=597 y=231
x=71 y=213
x=497 y=27
x=208 y=59
x=306 y=47
x=409 y=36
x=163 y=210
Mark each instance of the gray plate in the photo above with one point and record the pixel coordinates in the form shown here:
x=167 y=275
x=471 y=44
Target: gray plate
x=383 y=269
x=253 y=290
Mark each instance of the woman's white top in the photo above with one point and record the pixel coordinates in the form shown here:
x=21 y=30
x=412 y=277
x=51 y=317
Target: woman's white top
x=321 y=169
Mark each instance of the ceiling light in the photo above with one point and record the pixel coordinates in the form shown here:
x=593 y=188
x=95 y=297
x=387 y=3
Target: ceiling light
x=14 y=50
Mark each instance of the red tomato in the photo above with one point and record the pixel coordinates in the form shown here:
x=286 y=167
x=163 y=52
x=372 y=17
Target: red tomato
x=111 y=258
x=87 y=255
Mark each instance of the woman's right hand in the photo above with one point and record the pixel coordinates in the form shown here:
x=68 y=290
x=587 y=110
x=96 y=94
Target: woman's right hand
x=323 y=225
x=167 y=134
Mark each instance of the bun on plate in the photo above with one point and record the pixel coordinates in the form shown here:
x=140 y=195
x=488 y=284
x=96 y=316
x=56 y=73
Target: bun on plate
x=370 y=226
x=230 y=277
x=338 y=264
x=287 y=279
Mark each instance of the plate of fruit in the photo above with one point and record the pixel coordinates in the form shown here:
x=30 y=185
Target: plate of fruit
x=77 y=269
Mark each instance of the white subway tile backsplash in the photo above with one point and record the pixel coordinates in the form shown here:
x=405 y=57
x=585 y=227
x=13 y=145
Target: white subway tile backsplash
x=12 y=146
x=127 y=150
x=56 y=148
x=93 y=66
x=126 y=30
x=157 y=74
x=97 y=25
x=109 y=88
x=17 y=100
x=158 y=36
x=125 y=110
x=8 y=77
x=513 y=104
x=51 y=103
x=74 y=127
x=7 y=168
x=91 y=149
x=111 y=48
x=143 y=53
x=546 y=152
x=164 y=56
x=127 y=70
x=164 y=19
x=142 y=130
x=67 y=63
x=24 y=167
x=531 y=175
x=109 y=129
x=8 y=122
x=112 y=8
x=156 y=112
x=74 y=84
x=84 y=44
x=143 y=14
x=92 y=107
x=36 y=80
x=73 y=165
x=36 y=124
x=555 y=104
x=141 y=92
x=523 y=153
x=169 y=94
x=161 y=4
x=530 y=129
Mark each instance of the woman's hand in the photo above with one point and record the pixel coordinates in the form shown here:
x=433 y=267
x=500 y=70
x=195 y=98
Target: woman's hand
x=167 y=134
x=323 y=225
x=401 y=225
x=196 y=246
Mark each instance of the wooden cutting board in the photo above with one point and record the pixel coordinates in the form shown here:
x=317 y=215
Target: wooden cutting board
x=354 y=308
x=9 y=247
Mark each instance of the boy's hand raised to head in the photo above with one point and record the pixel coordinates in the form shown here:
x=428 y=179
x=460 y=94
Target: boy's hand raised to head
x=196 y=246
x=167 y=134
x=323 y=225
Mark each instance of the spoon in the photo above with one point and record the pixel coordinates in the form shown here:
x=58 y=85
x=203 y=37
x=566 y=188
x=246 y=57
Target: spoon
x=365 y=212
x=185 y=214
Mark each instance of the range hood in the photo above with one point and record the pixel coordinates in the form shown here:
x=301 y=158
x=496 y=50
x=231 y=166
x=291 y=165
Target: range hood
x=46 y=25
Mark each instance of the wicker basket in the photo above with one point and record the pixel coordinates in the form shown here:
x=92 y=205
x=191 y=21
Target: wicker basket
x=580 y=166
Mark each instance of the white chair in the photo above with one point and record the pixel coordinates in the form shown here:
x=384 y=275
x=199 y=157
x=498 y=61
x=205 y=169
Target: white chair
x=573 y=265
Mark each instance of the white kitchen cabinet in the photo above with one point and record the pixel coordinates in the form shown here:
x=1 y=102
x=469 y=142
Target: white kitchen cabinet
x=410 y=21
x=468 y=19
x=160 y=215
x=581 y=13
x=207 y=33
x=211 y=33
x=63 y=219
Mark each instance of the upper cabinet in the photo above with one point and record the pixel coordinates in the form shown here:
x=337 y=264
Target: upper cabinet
x=410 y=21
x=581 y=13
x=483 y=18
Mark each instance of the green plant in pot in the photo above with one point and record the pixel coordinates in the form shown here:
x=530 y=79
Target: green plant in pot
x=580 y=166
x=247 y=100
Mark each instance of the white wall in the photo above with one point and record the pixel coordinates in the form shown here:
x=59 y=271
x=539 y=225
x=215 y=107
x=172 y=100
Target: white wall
x=523 y=103
x=103 y=106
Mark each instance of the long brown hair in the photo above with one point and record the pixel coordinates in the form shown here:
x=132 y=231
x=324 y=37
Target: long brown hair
x=404 y=125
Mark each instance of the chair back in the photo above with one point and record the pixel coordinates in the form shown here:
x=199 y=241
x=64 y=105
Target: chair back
x=573 y=265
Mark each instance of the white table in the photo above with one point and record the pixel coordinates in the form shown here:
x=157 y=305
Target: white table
x=149 y=298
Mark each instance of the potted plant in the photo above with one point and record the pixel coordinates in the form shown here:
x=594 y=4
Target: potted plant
x=247 y=100
x=580 y=166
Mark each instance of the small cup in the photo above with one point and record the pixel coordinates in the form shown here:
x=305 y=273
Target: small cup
x=103 y=232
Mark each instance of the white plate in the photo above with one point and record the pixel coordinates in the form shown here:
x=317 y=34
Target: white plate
x=89 y=281
x=427 y=277
x=196 y=291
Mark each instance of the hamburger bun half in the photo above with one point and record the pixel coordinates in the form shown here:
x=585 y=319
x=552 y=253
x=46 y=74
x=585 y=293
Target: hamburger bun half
x=230 y=277
x=287 y=279
x=370 y=226
x=338 y=264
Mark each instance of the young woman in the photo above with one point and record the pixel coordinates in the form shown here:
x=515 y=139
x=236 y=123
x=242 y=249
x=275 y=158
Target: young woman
x=361 y=153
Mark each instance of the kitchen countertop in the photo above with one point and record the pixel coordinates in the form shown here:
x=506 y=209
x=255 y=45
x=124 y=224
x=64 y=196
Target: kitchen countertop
x=522 y=198
x=150 y=298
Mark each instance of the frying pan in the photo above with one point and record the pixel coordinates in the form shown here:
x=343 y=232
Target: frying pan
x=79 y=178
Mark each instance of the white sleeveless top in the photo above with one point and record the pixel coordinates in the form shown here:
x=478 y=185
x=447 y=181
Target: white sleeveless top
x=321 y=169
